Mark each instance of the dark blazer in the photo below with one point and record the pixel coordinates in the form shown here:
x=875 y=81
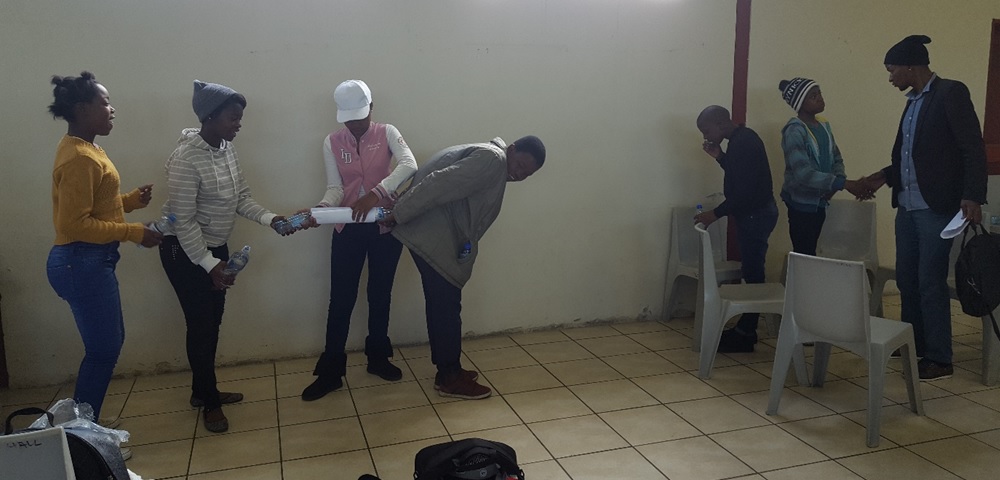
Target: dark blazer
x=948 y=151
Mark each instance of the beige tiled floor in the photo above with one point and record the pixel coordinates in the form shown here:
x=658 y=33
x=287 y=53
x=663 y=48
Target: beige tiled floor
x=615 y=401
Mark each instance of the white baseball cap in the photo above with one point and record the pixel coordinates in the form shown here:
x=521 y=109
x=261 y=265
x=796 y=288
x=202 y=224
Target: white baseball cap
x=353 y=100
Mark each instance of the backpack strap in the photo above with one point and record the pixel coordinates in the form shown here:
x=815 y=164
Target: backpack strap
x=8 y=429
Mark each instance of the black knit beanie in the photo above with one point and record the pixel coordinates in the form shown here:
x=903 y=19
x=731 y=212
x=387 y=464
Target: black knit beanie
x=909 y=51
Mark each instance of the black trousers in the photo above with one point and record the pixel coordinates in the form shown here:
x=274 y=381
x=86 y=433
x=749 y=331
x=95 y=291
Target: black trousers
x=203 y=307
x=804 y=229
x=443 y=306
x=349 y=250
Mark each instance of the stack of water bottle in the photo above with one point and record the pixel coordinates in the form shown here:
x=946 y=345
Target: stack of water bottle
x=292 y=224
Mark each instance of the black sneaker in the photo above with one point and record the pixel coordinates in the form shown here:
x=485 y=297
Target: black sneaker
x=735 y=342
x=383 y=368
x=930 y=370
x=323 y=385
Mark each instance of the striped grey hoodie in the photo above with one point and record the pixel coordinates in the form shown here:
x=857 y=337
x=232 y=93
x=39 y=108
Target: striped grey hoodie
x=206 y=190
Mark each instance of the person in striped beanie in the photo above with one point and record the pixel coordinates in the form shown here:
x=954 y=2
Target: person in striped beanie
x=814 y=167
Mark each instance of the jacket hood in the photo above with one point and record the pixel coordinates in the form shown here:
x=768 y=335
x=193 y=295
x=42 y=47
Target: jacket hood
x=191 y=137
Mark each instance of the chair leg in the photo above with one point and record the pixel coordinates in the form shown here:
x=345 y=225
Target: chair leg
x=669 y=300
x=877 y=359
x=711 y=334
x=699 y=316
x=878 y=290
x=779 y=372
x=908 y=352
x=991 y=353
x=821 y=358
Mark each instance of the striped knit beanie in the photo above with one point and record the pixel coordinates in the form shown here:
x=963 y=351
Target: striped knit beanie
x=794 y=91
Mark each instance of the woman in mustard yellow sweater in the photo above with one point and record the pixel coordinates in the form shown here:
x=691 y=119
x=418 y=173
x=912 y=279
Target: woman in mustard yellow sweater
x=88 y=211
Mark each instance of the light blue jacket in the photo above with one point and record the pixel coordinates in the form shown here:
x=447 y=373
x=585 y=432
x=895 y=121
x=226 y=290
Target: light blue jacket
x=805 y=186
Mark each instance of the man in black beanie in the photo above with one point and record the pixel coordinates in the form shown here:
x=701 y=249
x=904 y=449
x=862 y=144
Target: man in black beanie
x=938 y=168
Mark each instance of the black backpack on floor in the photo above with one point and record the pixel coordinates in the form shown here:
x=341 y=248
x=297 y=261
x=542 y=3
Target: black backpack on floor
x=95 y=455
x=468 y=459
x=977 y=274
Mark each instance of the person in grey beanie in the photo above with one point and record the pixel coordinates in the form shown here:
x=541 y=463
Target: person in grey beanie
x=206 y=191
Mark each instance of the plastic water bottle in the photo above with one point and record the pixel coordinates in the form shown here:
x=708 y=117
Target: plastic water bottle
x=463 y=254
x=163 y=225
x=237 y=261
x=699 y=208
x=291 y=224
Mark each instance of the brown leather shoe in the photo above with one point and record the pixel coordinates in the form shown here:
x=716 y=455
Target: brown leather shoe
x=215 y=420
x=469 y=375
x=460 y=386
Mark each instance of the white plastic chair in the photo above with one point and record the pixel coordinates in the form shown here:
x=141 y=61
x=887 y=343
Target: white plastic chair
x=684 y=258
x=36 y=455
x=826 y=302
x=850 y=232
x=727 y=301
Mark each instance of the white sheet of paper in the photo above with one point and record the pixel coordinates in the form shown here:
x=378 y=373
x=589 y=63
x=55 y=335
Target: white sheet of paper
x=955 y=227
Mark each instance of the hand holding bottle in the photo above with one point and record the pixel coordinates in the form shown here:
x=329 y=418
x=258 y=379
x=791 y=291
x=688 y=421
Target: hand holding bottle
x=220 y=280
x=150 y=237
x=360 y=209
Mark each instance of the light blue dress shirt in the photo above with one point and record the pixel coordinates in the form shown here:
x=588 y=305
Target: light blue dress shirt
x=910 y=197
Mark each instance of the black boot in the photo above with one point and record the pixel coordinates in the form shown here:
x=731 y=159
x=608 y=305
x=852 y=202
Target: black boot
x=329 y=369
x=379 y=351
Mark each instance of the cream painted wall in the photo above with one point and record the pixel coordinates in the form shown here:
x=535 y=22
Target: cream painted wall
x=611 y=87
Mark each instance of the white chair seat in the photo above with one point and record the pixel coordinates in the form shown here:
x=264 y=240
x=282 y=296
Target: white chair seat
x=827 y=303
x=683 y=260
x=720 y=303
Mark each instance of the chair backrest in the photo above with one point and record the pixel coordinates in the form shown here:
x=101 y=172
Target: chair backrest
x=36 y=455
x=684 y=242
x=849 y=232
x=828 y=298
x=706 y=268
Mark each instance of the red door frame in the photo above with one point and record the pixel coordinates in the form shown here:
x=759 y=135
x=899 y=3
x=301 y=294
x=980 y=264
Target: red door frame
x=741 y=67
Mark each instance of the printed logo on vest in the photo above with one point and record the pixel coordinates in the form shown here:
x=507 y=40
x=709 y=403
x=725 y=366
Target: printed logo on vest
x=345 y=156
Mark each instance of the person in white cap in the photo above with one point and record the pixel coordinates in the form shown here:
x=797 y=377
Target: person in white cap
x=358 y=161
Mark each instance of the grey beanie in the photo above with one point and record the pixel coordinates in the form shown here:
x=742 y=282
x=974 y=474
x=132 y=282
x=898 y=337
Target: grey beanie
x=208 y=97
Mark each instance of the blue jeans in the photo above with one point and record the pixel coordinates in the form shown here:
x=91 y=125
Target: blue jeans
x=754 y=229
x=922 y=258
x=83 y=274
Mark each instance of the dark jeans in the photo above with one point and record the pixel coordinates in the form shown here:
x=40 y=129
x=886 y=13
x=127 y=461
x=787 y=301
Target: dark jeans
x=754 y=229
x=349 y=249
x=203 y=307
x=804 y=228
x=922 y=259
x=443 y=306
x=83 y=274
